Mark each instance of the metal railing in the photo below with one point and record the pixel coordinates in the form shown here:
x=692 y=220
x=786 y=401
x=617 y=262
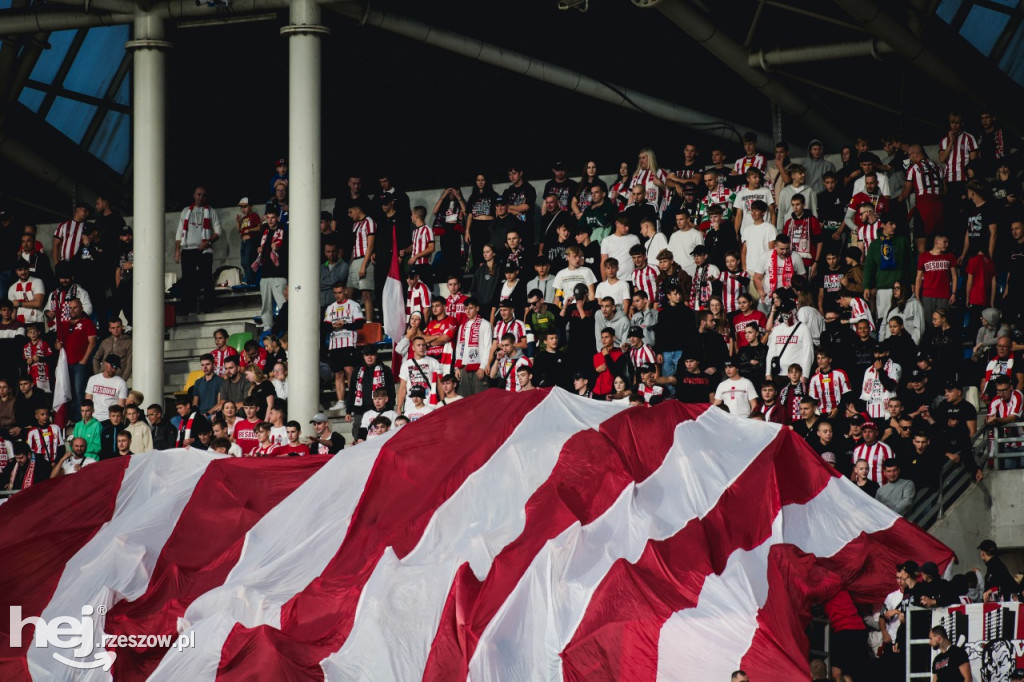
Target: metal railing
x=930 y=504
x=1006 y=445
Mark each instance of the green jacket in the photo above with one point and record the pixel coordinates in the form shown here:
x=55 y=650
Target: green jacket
x=877 y=278
x=91 y=434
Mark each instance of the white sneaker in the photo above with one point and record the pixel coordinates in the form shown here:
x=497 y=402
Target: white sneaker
x=338 y=407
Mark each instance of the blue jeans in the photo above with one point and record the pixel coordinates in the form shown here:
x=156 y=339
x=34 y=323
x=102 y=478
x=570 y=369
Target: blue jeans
x=248 y=253
x=670 y=360
x=79 y=375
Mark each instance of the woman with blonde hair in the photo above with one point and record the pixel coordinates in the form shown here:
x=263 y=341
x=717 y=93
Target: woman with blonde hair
x=261 y=388
x=652 y=178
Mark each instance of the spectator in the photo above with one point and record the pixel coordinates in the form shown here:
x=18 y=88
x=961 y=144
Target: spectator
x=324 y=441
x=937 y=274
x=617 y=246
x=142 y=437
x=73 y=460
x=24 y=470
x=334 y=269
x=235 y=387
x=684 y=240
x=952 y=663
x=161 y=431
x=90 y=429
x=207 y=391
x=198 y=229
x=111 y=431
x=735 y=392
x=861 y=479
x=262 y=390
x=886 y=262
x=471 y=351
x=106 y=388
x=898 y=493
x=79 y=341
x=191 y=425
x=116 y=344
x=67 y=238
x=999 y=582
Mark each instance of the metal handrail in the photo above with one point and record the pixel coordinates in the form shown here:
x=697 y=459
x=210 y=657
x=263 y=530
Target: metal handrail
x=953 y=481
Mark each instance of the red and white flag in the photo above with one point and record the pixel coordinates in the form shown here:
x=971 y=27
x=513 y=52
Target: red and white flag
x=393 y=300
x=560 y=538
x=61 y=390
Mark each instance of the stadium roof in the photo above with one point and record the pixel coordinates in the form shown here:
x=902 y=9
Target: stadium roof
x=66 y=93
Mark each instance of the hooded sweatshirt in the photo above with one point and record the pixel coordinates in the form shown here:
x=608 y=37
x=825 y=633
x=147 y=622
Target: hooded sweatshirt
x=619 y=322
x=816 y=168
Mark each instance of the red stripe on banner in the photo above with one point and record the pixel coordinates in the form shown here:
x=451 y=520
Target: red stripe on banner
x=41 y=529
x=865 y=567
x=228 y=500
x=618 y=636
x=581 y=487
x=415 y=473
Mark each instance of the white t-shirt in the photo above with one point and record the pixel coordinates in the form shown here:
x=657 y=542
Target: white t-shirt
x=279 y=435
x=414 y=413
x=566 y=279
x=681 y=243
x=72 y=465
x=617 y=247
x=106 y=392
x=618 y=291
x=736 y=394
x=412 y=376
x=745 y=197
x=758 y=239
x=654 y=245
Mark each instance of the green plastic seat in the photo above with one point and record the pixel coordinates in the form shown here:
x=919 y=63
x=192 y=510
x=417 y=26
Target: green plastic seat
x=238 y=341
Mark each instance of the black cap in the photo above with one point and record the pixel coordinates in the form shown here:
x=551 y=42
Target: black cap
x=989 y=547
x=385 y=197
x=952 y=384
x=369 y=350
x=579 y=375
x=917 y=375
x=113 y=360
x=506 y=303
x=729 y=363
x=689 y=187
x=923 y=355
x=326 y=215
x=413 y=271
x=500 y=199
x=645 y=369
x=929 y=568
x=638 y=332
x=699 y=250
x=417 y=392
x=857 y=420
x=558 y=165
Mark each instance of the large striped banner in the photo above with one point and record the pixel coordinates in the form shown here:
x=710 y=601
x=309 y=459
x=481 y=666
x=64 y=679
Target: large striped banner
x=533 y=536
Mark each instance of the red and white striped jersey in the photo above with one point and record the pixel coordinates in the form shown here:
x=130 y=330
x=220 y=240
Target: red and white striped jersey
x=44 y=441
x=875 y=454
x=927 y=178
x=868 y=233
x=649 y=392
x=270 y=449
x=219 y=356
x=646 y=279
x=745 y=163
x=1001 y=409
x=859 y=311
x=959 y=156
x=347 y=312
x=507 y=368
x=362 y=229
x=732 y=288
x=418 y=299
x=643 y=355
x=651 y=190
x=514 y=327
x=421 y=239
x=828 y=388
x=70 y=233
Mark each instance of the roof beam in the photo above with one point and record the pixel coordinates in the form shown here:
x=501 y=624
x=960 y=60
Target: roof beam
x=544 y=71
x=699 y=27
x=766 y=59
x=60 y=91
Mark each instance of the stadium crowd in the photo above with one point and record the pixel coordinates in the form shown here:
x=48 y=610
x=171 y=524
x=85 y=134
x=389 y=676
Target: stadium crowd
x=871 y=307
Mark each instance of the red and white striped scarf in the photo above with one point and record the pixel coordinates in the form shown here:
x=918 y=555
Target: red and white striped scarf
x=777 y=278
x=206 y=229
x=23 y=292
x=469 y=343
x=185 y=430
x=378 y=382
x=649 y=392
x=30 y=473
x=265 y=450
x=276 y=241
x=59 y=305
x=700 y=290
x=508 y=368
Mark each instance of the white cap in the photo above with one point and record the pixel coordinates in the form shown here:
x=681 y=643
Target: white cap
x=243 y=200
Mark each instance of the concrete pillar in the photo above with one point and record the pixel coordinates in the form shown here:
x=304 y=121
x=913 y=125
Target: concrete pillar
x=148 y=162
x=304 y=74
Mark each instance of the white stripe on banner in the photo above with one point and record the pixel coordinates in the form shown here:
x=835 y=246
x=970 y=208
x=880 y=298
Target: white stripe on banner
x=283 y=552
x=725 y=618
x=544 y=610
x=117 y=562
x=400 y=607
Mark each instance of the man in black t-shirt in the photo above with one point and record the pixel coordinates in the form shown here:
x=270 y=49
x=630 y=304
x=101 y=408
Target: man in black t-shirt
x=691 y=383
x=521 y=199
x=561 y=186
x=952 y=663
